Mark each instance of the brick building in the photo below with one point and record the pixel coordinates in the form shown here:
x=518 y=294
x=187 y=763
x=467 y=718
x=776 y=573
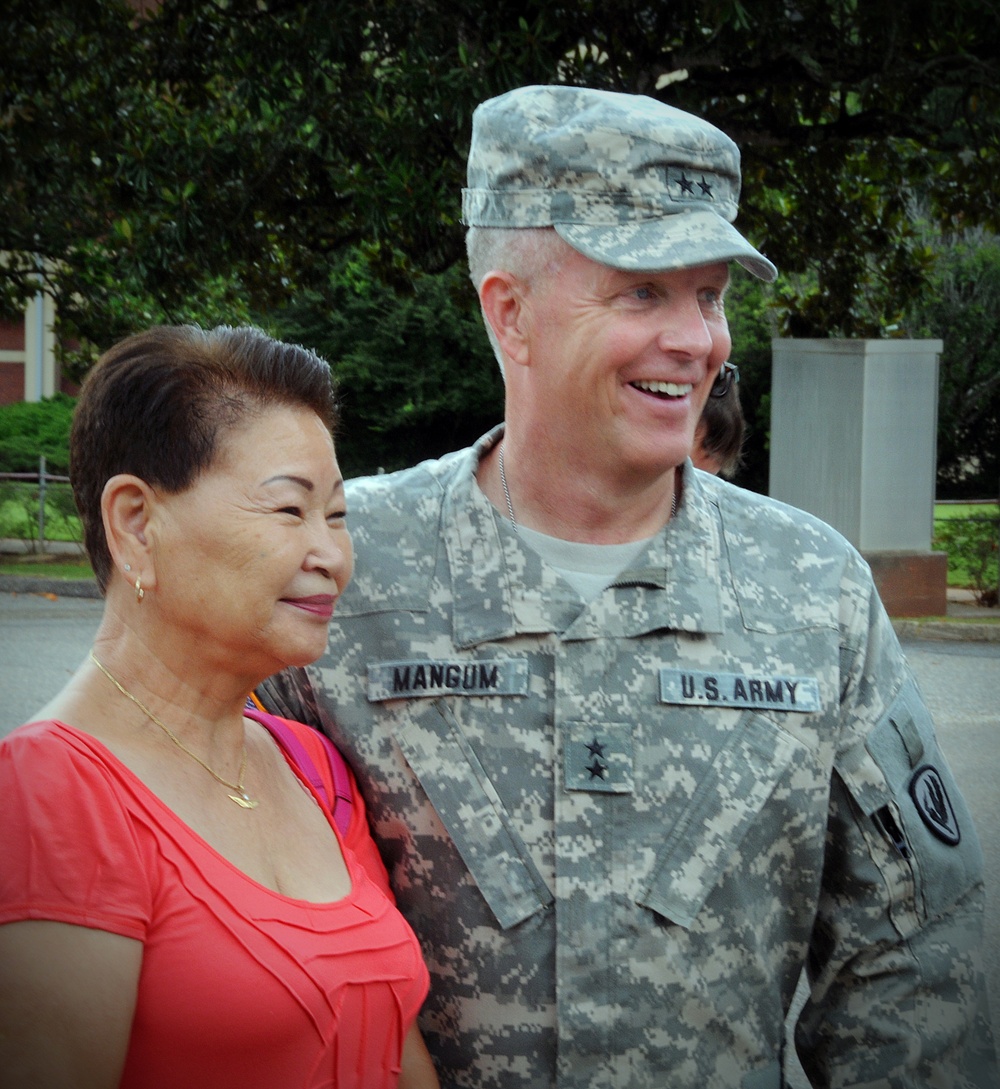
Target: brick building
x=29 y=370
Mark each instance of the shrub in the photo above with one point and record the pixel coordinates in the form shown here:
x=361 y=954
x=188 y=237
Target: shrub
x=29 y=430
x=972 y=543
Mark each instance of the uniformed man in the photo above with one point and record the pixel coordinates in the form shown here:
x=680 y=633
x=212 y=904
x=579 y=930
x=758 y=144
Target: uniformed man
x=639 y=746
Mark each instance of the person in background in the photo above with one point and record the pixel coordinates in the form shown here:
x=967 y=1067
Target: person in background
x=718 y=438
x=177 y=904
x=640 y=747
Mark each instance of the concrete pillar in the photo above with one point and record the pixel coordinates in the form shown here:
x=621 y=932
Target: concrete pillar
x=39 y=348
x=854 y=441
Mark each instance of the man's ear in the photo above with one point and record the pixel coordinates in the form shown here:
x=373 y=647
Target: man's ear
x=503 y=301
x=127 y=504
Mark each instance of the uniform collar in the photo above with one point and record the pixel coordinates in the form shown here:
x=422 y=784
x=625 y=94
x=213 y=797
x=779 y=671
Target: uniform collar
x=501 y=588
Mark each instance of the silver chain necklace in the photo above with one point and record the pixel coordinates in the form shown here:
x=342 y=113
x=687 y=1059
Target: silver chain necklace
x=510 y=505
x=506 y=493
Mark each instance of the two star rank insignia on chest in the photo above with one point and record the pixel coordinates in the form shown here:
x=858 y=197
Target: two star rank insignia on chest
x=597 y=767
x=598 y=757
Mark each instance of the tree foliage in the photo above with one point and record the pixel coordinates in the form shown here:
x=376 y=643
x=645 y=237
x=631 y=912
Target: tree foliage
x=211 y=159
x=243 y=143
x=963 y=309
x=751 y=325
x=415 y=373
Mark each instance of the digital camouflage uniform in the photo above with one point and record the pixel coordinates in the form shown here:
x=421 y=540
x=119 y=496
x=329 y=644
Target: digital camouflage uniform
x=620 y=829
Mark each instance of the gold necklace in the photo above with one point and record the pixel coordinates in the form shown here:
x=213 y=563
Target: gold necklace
x=241 y=798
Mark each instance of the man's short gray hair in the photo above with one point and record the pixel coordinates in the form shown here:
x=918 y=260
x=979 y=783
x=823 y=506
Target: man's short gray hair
x=524 y=252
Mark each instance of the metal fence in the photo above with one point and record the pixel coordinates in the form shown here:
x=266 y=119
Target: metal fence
x=38 y=509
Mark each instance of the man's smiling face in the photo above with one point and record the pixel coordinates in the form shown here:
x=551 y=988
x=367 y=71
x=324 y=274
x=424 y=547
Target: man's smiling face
x=623 y=361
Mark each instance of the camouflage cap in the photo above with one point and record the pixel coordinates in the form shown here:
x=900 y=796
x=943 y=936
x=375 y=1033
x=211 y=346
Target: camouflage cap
x=627 y=181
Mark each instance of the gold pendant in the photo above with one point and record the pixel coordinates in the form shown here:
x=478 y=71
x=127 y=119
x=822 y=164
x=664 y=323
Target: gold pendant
x=243 y=800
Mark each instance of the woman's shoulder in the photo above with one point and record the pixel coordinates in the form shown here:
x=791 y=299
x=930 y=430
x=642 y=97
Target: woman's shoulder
x=59 y=768
x=70 y=848
x=45 y=739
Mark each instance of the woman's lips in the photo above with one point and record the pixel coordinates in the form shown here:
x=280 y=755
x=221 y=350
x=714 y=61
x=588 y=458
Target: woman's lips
x=320 y=605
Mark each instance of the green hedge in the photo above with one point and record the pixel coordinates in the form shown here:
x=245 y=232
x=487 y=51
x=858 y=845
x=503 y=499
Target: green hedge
x=972 y=542
x=19 y=512
x=29 y=430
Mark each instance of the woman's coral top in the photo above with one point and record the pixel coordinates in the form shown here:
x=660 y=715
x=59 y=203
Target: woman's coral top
x=240 y=986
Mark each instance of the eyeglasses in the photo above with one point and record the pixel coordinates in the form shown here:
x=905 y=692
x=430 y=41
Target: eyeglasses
x=728 y=377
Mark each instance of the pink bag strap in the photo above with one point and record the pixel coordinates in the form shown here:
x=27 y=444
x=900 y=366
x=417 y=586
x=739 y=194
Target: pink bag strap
x=341 y=804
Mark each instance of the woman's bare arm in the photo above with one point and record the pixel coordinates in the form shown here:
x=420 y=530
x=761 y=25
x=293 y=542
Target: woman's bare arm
x=418 y=1066
x=67 y=998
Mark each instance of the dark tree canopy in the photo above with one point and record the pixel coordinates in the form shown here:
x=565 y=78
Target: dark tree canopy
x=203 y=156
x=963 y=308
x=299 y=162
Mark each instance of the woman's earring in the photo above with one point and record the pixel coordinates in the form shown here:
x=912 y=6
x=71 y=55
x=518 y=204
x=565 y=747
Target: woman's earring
x=140 y=593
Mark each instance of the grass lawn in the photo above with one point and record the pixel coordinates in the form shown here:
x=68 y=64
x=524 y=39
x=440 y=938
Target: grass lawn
x=56 y=567
x=64 y=567
x=964 y=510
x=16 y=520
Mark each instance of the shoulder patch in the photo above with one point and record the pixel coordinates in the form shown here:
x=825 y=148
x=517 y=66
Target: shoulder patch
x=934 y=806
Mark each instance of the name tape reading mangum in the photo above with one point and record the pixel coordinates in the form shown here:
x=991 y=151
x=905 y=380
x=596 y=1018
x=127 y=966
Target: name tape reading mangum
x=442 y=677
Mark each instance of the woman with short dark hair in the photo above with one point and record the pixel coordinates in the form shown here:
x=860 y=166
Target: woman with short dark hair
x=179 y=904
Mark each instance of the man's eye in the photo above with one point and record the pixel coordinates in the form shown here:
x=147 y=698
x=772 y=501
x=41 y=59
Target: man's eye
x=296 y=511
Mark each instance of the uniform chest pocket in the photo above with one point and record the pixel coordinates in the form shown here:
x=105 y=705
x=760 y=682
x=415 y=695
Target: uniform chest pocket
x=471 y=810
x=724 y=806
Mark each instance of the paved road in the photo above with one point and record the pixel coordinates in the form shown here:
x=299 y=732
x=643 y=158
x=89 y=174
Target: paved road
x=42 y=641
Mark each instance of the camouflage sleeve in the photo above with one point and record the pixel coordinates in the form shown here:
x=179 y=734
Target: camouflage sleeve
x=897 y=996
x=290 y=694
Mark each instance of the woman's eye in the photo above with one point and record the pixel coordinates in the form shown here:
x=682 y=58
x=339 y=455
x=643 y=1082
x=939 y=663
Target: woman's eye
x=296 y=511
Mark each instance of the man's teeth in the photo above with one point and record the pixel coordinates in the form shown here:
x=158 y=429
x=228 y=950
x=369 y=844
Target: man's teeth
x=671 y=389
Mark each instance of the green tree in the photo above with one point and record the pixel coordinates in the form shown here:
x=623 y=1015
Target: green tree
x=245 y=142
x=204 y=160
x=752 y=325
x=415 y=372
x=963 y=309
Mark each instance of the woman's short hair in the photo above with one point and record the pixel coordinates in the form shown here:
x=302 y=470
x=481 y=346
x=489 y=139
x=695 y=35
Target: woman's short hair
x=156 y=405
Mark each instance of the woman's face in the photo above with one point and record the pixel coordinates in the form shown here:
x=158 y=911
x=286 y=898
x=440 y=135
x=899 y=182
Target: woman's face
x=251 y=559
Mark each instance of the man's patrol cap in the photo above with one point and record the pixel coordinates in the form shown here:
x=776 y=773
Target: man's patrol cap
x=627 y=181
